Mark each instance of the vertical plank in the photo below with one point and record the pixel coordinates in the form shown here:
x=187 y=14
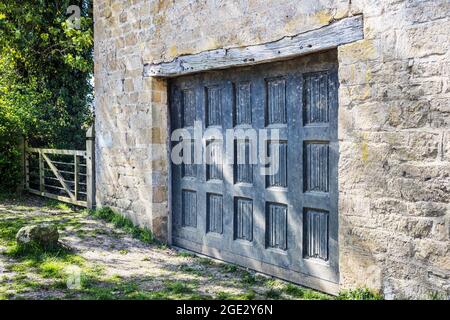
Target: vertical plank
x=276 y=101
x=215 y=213
x=243 y=109
x=214 y=160
x=214 y=106
x=278 y=178
x=244 y=169
x=189 y=169
x=316 y=234
x=76 y=174
x=244 y=219
x=316 y=167
x=316 y=102
x=41 y=173
x=188 y=108
x=277 y=226
x=189 y=209
x=27 y=166
x=90 y=168
x=20 y=187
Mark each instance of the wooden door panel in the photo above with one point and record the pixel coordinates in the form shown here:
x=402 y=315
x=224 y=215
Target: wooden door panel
x=286 y=220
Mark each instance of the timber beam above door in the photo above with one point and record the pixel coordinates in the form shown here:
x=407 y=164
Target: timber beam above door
x=337 y=33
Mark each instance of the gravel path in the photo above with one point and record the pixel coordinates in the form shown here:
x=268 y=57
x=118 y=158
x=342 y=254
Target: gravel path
x=120 y=266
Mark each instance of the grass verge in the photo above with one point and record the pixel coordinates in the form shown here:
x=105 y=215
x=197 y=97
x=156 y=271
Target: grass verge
x=359 y=294
x=123 y=223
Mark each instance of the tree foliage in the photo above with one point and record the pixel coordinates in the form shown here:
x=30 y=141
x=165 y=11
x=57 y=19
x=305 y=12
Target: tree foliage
x=45 y=78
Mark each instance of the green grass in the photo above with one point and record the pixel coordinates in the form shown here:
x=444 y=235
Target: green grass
x=178 y=287
x=124 y=224
x=185 y=254
x=97 y=290
x=188 y=269
x=229 y=268
x=273 y=283
x=55 y=204
x=9 y=228
x=206 y=262
x=304 y=293
x=273 y=294
x=53 y=265
x=248 y=278
x=435 y=295
x=36 y=262
x=240 y=296
x=52 y=268
x=125 y=289
x=48 y=263
x=359 y=294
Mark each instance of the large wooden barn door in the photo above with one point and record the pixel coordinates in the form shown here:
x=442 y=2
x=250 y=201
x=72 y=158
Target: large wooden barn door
x=284 y=224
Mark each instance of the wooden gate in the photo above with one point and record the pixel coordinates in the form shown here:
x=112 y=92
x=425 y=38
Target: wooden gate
x=64 y=175
x=284 y=224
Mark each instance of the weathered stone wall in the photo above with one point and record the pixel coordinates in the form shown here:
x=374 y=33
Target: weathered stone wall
x=394 y=172
x=394 y=121
x=131 y=118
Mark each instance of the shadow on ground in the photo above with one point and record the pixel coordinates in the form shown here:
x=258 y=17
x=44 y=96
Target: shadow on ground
x=107 y=263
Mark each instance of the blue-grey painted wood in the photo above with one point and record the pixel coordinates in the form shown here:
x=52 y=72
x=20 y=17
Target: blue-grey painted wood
x=243 y=225
x=316 y=166
x=189 y=106
x=214 y=213
x=189 y=168
x=316 y=234
x=316 y=98
x=288 y=220
x=189 y=217
x=244 y=168
x=214 y=160
x=214 y=106
x=243 y=108
x=276 y=101
x=276 y=228
x=278 y=178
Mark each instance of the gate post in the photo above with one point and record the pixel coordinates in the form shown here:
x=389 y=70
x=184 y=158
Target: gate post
x=26 y=165
x=22 y=145
x=90 y=167
x=41 y=172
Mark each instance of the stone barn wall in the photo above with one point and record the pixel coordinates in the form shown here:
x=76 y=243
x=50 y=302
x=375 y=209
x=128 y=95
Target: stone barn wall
x=394 y=121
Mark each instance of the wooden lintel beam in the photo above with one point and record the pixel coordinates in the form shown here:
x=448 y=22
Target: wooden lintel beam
x=328 y=37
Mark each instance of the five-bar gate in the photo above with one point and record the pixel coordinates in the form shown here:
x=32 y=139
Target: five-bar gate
x=64 y=175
